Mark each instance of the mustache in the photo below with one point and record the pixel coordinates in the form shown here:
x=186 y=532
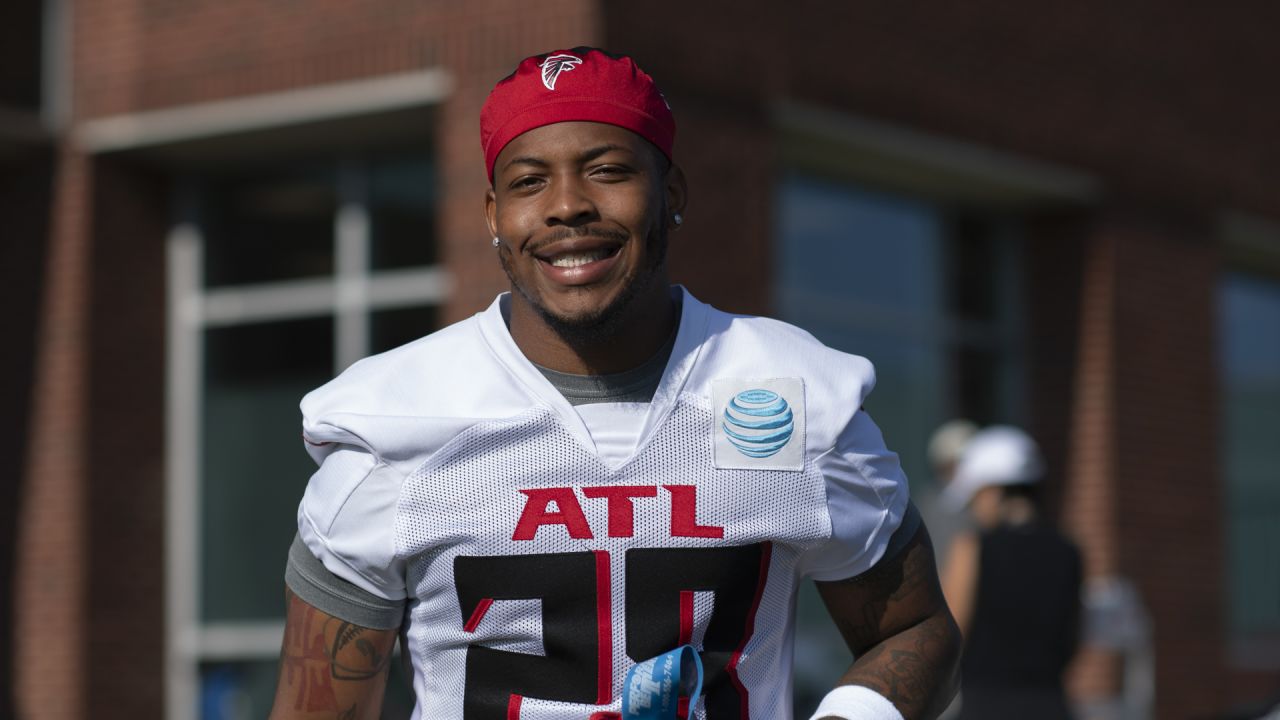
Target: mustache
x=571 y=233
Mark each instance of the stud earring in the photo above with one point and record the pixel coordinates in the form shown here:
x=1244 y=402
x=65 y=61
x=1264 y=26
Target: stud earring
x=495 y=241
x=678 y=219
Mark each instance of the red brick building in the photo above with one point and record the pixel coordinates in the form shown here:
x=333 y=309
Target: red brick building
x=1064 y=217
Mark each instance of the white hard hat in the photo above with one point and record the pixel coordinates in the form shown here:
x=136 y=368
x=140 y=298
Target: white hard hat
x=998 y=455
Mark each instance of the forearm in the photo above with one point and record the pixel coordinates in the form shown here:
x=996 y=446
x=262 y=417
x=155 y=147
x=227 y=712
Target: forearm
x=330 y=669
x=916 y=669
x=904 y=639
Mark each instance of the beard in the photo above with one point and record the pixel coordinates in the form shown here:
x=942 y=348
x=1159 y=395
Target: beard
x=599 y=324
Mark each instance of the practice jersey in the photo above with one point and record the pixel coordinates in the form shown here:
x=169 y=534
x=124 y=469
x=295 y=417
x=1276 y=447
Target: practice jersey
x=453 y=476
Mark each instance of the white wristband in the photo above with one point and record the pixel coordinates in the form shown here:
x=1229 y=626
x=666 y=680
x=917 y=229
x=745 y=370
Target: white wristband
x=854 y=702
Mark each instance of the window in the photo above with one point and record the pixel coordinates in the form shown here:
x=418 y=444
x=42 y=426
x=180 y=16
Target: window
x=925 y=292
x=928 y=293
x=280 y=277
x=1249 y=344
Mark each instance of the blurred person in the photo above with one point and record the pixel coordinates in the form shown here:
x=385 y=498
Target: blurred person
x=946 y=445
x=599 y=468
x=943 y=452
x=1013 y=584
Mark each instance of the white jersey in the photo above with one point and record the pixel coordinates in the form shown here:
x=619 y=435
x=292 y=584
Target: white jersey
x=537 y=570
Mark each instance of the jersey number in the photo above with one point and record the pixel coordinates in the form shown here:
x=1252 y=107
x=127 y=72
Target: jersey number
x=574 y=591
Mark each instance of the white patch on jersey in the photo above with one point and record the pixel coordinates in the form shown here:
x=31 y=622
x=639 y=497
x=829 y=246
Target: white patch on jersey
x=556 y=64
x=759 y=423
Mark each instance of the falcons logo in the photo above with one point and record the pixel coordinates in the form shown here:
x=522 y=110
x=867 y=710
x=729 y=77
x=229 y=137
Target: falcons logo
x=556 y=64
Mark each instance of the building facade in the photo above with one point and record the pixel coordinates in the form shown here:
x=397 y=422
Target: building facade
x=1066 y=218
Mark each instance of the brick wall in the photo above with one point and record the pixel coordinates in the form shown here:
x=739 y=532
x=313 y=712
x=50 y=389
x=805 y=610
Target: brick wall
x=1168 y=484
x=1160 y=103
x=1142 y=485
x=1158 y=100
x=49 y=592
x=124 y=472
x=24 y=203
x=142 y=54
x=723 y=251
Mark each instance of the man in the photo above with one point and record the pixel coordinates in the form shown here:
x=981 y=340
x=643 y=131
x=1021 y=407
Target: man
x=599 y=468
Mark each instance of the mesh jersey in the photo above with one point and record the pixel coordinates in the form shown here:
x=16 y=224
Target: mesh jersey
x=454 y=476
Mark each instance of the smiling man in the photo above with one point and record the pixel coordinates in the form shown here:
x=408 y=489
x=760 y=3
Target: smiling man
x=600 y=470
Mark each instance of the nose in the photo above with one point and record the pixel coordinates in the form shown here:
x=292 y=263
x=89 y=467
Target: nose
x=569 y=203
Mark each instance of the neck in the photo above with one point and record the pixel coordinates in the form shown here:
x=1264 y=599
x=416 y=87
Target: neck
x=639 y=333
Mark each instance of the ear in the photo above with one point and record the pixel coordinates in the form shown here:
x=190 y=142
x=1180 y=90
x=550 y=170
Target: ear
x=491 y=212
x=677 y=192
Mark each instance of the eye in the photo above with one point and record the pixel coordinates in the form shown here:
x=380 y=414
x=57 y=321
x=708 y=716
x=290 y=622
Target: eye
x=525 y=182
x=612 y=171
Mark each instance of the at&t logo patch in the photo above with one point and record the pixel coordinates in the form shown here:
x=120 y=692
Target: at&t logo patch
x=759 y=423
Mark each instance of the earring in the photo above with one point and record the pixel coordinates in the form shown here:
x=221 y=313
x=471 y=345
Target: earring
x=678 y=219
x=495 y=241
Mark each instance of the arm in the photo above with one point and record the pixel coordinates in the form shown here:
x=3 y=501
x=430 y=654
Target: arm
x=894 y=618
x=330 y=669
x=960 y=579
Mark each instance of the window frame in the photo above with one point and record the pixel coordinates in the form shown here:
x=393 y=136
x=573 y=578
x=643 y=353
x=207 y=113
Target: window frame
x=349 y=296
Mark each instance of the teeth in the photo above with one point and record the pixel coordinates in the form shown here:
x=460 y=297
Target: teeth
x=572 y=260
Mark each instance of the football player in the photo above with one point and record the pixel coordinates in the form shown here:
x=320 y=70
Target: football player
x=599 y=469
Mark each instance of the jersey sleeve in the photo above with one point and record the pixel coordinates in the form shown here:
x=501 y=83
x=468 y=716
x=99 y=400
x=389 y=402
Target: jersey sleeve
x=867 y=500
x=347 y=520
x=310 y=580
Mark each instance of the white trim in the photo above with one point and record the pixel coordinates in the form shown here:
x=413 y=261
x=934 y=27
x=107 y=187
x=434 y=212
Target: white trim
x=321 y=296
x=265 y=111
x=268 y=301
x=239 y=641
x=351 y=240
x=351 y=263
x=946 y=157
x=55 y=64
x=183 y=348
x=415 y=286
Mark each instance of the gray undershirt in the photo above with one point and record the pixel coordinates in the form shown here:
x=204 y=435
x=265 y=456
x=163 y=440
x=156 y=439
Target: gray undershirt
x=635 y=385
x=316 y=585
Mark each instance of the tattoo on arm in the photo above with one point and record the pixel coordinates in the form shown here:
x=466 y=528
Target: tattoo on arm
x=367 y=664
x=905 y=643
x=330 y=667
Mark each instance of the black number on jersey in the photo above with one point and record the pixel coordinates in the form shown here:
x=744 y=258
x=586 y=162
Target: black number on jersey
x=573 y=590
x=658 y=616
x=566 y=585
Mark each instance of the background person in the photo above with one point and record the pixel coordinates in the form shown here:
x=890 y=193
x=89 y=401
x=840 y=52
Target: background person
x=945 y=447
x=1013 y=584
